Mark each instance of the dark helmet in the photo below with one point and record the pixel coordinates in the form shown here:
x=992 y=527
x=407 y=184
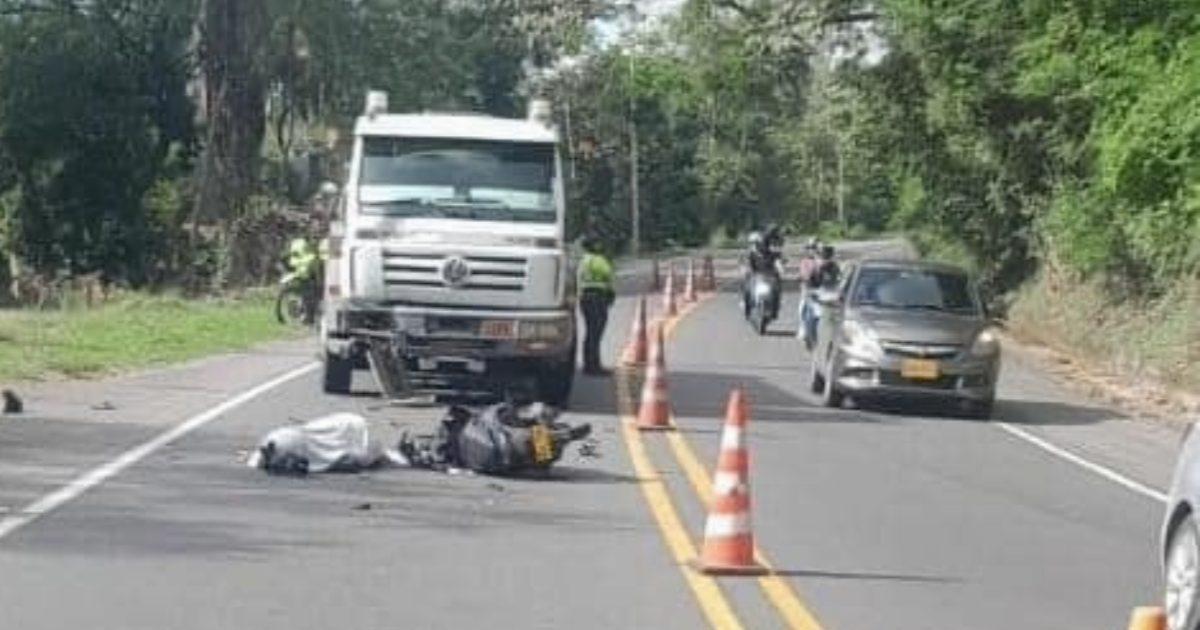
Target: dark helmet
x=827 y=251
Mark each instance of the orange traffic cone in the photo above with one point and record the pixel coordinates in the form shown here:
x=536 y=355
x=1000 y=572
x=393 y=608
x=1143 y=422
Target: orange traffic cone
x=1148 y=618
x=689 y=290
x=669 y=308
x=728 y=537
x=654 y=414
x=636 y=350
x=710 y=273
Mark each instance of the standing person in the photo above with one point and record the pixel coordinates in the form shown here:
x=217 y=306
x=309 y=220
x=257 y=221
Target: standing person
x=596 y=295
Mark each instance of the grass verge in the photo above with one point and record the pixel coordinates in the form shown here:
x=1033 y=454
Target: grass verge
x=1155 y=341
x=131 y=332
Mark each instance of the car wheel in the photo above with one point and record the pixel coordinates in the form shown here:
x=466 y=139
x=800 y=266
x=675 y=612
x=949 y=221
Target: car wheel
x=1182 y=576
x=831 y=396
x=817 y=382
x=339 y=373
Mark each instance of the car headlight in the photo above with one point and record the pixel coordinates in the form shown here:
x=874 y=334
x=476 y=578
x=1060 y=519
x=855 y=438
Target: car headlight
x=762 y=290
x=987 y=344
x=860 y=339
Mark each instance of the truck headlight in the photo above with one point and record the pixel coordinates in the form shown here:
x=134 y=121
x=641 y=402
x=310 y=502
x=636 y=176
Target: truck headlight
x=987 y=344
x=860 y=339
x=553 y=330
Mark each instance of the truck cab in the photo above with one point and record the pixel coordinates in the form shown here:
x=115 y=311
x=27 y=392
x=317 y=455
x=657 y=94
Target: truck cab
x=448 y=257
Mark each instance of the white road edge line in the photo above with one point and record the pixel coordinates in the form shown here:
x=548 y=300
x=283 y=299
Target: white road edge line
x=1107 y=473
x=102 y=473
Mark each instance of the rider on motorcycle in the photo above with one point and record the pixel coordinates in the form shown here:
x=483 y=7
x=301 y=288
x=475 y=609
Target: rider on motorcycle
x=304 y=262
x=825 y=274
x=766 y=258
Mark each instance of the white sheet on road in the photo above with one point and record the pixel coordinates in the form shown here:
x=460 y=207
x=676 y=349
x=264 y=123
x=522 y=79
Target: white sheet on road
x=339 y=440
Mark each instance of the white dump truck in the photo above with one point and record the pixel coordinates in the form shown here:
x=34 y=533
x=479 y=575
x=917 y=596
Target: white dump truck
x=448 y=271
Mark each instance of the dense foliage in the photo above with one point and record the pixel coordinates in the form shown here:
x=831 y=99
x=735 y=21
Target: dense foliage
x=1005 y=134
x=142 y=139
x=149 y=141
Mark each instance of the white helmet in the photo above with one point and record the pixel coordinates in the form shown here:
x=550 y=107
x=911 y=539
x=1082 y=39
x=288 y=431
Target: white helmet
x=755 y=239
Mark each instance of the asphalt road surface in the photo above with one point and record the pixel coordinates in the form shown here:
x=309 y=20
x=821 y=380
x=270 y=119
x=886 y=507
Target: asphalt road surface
x=125 y=504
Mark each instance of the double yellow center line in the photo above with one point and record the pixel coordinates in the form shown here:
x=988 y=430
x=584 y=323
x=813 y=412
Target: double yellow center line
x=712 y=600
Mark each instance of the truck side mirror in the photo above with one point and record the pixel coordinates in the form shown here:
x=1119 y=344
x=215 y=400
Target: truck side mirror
x=328 y=189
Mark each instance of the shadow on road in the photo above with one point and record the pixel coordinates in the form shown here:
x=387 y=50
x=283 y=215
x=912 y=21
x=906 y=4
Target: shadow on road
x=561 y=473
x=852 y=575
x=1038 y=412
x=1027 y=412
x=704 y=395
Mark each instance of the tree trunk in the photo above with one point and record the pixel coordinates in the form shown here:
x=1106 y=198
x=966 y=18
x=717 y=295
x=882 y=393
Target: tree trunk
x=232 y=34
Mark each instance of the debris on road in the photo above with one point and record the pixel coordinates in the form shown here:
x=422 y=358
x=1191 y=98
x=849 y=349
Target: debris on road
x=362 y=507
x=104 y=406
x=497 y=440
x=590 y=449
x=12 y=402
x=339 y=442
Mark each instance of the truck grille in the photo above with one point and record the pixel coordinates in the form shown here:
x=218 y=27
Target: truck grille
x=489 y=273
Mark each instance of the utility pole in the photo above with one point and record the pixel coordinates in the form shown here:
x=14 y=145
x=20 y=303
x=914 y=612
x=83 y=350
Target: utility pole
x=634 y=209
x=841 y=186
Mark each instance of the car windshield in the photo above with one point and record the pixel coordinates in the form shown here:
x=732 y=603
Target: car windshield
x=915 y=289
x=458 y=179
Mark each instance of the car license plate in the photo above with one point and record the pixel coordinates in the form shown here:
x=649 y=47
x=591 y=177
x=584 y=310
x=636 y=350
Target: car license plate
x=498 y=329
x=920 y=370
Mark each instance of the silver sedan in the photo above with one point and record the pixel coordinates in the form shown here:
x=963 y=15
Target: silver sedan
x=906 y=329
x=1181 y=539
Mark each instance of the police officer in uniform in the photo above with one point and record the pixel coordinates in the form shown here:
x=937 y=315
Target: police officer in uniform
x=596 y=295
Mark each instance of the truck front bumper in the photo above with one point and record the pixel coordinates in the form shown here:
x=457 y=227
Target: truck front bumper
x=452 y=333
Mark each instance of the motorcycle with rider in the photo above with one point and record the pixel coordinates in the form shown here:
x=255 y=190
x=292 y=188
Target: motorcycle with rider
x=821 y=273
x=762 y=285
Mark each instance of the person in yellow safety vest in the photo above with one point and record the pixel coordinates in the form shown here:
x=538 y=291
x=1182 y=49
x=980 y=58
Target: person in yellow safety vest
x=596 y=295
x=302 y=259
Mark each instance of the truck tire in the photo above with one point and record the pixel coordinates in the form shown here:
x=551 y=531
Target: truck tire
x=339 y=373
x=556 y=380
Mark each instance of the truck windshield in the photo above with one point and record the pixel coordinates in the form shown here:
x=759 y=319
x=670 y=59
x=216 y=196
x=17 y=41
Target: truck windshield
x=457 y=179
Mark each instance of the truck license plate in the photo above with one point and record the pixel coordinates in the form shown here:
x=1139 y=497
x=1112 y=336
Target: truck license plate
x=920 y=370
x=498 y=329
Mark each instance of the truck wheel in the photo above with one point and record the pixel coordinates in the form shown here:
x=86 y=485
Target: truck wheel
x=555 y=383
x=339 y=373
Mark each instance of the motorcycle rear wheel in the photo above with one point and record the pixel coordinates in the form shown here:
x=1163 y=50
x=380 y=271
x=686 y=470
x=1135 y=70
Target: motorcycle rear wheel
x=290 y=307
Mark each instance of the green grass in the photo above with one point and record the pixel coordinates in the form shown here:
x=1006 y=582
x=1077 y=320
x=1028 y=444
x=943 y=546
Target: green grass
x=131 y=332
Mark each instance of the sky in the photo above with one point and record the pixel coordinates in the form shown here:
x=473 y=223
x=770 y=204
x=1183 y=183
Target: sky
x=610 y=32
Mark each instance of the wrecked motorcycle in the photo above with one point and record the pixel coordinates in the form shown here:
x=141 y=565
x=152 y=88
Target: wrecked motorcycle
x=498 y=440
